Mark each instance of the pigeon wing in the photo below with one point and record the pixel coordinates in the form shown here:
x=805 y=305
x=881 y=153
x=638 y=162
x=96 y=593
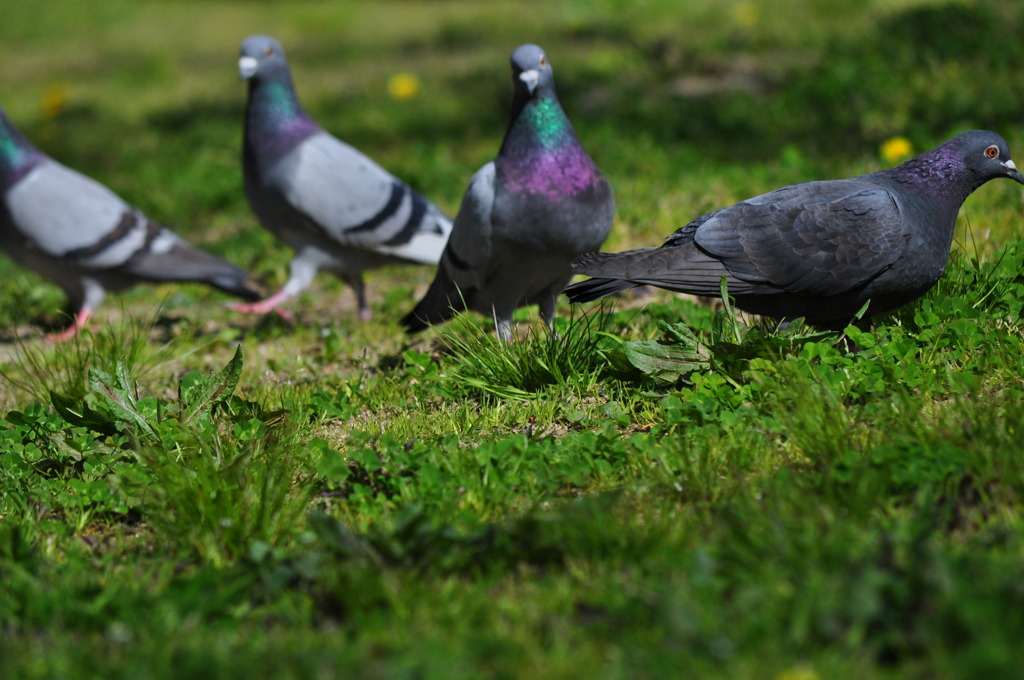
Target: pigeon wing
x=76 y=221
x=355 y=202
x=816 y=239
x=468 y=257
x=73 y=218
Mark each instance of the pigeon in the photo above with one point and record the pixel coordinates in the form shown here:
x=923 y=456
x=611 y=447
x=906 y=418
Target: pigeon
x=336 y=208
x=818 y=250
x=525 y=215
x=78 y=233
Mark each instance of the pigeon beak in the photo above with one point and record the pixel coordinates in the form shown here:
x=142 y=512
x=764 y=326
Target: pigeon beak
x=530 y=78
x=1012 y=172
x=247 y=67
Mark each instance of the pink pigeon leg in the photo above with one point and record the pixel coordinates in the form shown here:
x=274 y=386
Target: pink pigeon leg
x=270 y=304
x=81 y=318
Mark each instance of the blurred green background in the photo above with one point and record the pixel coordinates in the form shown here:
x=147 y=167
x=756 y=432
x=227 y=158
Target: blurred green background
x=686 y=105
x=838 y=514
x=145 y=93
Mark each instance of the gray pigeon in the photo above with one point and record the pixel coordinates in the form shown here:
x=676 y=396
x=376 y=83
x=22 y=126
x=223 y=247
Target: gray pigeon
x=82 y=236
x=525 y=215
x=336 y=208
x=819 y=250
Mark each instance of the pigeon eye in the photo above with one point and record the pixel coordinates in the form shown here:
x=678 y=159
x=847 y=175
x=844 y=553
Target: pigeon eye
x=992 y=151
x=543 y=60
x=269 y=52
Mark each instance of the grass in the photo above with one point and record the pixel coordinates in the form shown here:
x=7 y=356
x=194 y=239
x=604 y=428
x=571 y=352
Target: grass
x=659 y=490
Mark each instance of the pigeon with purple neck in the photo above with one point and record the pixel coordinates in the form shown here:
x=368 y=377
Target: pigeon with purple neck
x=337 y=209
x=820 y=250
x=525 y=215
x=79 y=234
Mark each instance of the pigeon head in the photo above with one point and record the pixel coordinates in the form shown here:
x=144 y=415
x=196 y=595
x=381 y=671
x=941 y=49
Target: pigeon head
x=274 y=120
x=261 y=56
x=531 y=70
x=957 y=167
x=986 y=155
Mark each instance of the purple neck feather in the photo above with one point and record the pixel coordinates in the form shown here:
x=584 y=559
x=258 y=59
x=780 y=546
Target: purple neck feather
x=939 y=173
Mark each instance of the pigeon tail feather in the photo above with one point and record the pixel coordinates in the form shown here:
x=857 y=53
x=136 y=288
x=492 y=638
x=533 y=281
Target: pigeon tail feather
x=441 y=302
x=237 y=285
x=184 y=263
x=595 y=289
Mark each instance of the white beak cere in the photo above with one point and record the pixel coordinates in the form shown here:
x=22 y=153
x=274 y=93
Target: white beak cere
x=530 y=78
x=1010 y=164
x=247 y=67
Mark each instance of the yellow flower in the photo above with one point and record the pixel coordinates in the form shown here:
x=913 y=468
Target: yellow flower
x=896 y=149
x=798 y=673
x=746 y=13
x=54 y=100
x=403 y=86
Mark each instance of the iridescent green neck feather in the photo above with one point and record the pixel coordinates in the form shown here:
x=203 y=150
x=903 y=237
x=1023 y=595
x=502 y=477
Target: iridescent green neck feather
x=540 y=125
x=17 y=155
x=275 y=121
x=547 y=121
